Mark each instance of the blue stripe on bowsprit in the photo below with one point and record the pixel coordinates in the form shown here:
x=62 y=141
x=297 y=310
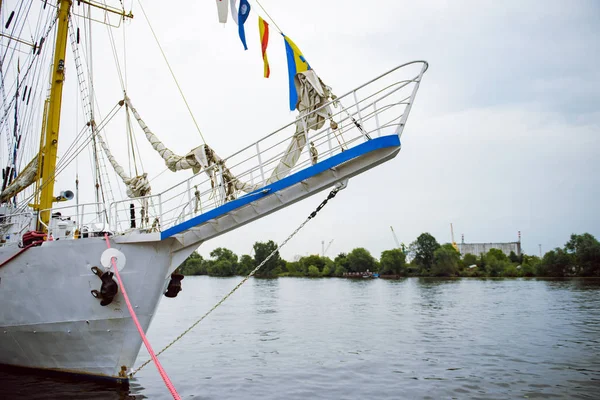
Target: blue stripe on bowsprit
x=357 y=151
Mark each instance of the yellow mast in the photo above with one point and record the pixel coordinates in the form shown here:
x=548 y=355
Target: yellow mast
x=49 y=150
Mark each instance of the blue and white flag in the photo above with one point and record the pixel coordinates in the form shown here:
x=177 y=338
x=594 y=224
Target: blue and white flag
x=243 y=12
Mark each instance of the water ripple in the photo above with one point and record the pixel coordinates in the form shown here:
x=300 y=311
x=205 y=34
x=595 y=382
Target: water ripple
x=344 y=339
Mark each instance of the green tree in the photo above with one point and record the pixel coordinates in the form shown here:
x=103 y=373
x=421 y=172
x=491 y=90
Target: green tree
x=468 y=260
x=555 y=263
x=261 y=252
x=223 y=254
x=585 y=251
x=294 y=268
x=494 y=266
x=327 y=271
x=224 y=262
x=246 y=265
x=481 y=263
x=393 y=262
x=498 y=254
x=341 y=261
x=221 y=268
x=423 y=249
x=514 y=258
x=339 y=271
x=313 y=271
x=315 y=260
x=529 y=265
x=193 y=265
x=510 y=271
x=360 y=260
x=445 y=261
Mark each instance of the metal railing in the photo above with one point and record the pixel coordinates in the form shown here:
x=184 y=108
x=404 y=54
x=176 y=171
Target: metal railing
x=376 y=108
x=87 y=219
x=12 y=227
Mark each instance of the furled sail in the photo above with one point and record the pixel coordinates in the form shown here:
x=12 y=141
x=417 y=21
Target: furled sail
x=197 y=159
x=22 y=181
x=137 y=186
x=313 y=95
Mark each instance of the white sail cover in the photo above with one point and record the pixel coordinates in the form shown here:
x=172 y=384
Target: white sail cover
x=312 y=95
x=22 y=181
x=196 y=159
x=138 y=186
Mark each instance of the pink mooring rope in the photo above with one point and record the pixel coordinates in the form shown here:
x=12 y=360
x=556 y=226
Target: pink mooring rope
x=161 y=371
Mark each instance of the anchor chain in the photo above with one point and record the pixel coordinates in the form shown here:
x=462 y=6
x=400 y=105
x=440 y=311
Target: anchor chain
x=311 y=216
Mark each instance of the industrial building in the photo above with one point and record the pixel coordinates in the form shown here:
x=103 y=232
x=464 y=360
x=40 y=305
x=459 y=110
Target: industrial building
x=482 y=248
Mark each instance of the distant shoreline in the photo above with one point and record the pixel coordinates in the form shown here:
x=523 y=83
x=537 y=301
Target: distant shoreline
x=425 y=257
x=437 y=278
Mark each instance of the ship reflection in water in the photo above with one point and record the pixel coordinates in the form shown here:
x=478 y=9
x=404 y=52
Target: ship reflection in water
x=23 y=384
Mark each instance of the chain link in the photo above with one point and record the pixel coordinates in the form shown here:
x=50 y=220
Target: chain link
x=311 y=216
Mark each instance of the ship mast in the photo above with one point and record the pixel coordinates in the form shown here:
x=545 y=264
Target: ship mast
x=49 y=150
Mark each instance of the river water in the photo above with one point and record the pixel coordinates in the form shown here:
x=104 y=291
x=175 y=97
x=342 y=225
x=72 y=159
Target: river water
x=416 y=338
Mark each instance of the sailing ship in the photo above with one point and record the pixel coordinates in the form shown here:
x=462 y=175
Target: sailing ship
x=61 y=308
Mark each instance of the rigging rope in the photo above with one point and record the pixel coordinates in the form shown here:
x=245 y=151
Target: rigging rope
x=75 y=148
x=24 y=76
x=311 y=216
x=171 y=70
x=272 y=20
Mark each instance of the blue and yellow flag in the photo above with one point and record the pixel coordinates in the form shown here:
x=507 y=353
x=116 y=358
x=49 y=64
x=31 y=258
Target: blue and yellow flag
x=296 y=63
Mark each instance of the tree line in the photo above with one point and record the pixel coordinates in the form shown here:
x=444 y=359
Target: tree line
x=580 y=256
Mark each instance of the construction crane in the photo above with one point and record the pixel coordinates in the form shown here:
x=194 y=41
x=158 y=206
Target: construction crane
x=395 y=238
x=398 y=245
x=324 y=249
x=453 y=241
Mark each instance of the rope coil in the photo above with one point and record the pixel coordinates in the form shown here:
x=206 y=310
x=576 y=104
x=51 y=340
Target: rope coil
x=311 y=216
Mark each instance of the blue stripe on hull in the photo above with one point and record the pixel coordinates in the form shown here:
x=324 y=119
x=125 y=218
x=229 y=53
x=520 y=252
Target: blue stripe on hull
x=354 y=152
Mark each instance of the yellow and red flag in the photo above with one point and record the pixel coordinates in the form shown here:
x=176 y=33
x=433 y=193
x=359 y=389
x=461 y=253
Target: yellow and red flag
x=263 y=28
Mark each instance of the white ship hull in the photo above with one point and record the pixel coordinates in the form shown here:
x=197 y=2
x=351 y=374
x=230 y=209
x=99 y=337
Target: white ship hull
x=50 y=320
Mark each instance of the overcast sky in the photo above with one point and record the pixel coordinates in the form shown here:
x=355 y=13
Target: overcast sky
x=503 y=136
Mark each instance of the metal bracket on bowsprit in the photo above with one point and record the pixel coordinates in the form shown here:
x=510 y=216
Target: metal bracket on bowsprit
x=108 y=289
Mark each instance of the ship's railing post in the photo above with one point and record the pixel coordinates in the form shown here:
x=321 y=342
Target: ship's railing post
x=189 y=192
x=112 y=216
x=357 y=103
x=410 y=102
x=376 y=119
x=160 y=208
x=222 y=188
x=260 y=164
